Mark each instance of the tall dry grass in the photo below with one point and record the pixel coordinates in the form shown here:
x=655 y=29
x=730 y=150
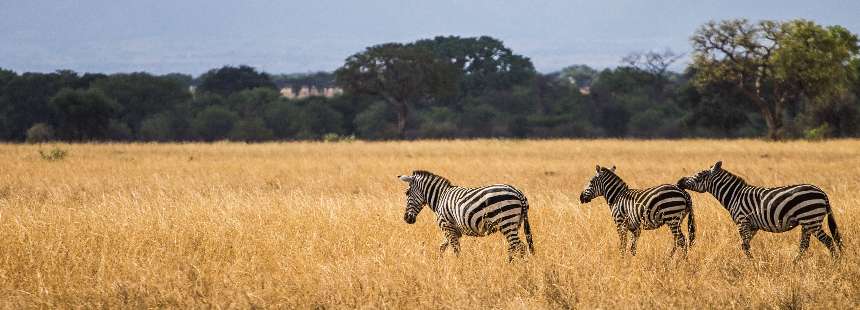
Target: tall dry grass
x=310 y=225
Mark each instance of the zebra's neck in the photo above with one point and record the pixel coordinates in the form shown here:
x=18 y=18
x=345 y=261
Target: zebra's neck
x=613 y=188
x=433 y=191
x=726 y=186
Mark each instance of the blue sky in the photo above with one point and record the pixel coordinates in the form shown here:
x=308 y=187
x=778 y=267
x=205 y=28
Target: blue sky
x=302 y=36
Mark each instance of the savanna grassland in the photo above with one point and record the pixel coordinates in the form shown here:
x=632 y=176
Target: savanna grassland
x=319 y=225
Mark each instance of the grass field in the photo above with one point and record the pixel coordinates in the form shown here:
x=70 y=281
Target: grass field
x=316 y=225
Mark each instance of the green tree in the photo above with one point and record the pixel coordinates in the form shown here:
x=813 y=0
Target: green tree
x=158 y=127
x=401 y=74
x=228 y=80
x=376 y=122
x=485 y=63
x=251 y=130
x=25 y=100
x=213 y=123
x=251 y=103
x=311 y=118
x=775 y=64
x=82 y=114
x=141 y=95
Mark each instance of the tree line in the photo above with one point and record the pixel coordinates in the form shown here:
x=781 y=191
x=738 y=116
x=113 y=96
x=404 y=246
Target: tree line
x=777 y=79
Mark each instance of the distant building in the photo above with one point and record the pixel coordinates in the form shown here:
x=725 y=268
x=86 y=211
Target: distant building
x=310 y=91
x=585 y=90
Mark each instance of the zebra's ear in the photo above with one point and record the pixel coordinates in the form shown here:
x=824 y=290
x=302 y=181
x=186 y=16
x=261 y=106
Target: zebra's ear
x=405 y=178
x=597 y=168
x=613 y=168
x=718 y=166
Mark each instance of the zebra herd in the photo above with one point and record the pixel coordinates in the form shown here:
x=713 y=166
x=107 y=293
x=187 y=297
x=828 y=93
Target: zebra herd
x=481 y=211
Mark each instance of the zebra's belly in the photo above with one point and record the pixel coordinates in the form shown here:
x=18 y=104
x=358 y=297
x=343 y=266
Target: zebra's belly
x=779 y=227
x=647 y=225
x=484 y=227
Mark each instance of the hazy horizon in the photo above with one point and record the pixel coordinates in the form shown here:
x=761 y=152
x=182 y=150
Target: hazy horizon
x=296 y=37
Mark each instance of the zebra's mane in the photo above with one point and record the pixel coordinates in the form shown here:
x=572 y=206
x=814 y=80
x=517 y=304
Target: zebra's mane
x=429 y=174
x=734 y=176
x=610 y=175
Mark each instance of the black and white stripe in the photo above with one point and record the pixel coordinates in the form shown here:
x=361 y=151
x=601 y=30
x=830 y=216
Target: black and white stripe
x=466 y=211
x=636 y=209
x=772 y=209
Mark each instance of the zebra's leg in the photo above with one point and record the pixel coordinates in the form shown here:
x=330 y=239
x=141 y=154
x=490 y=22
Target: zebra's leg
x=680 y=241
x=453 y=239
x=514 y=243
x=443 y=247
x=805 y=233
x=633 y=239
x=622 y=234
x=827 y=241
x=746 y=235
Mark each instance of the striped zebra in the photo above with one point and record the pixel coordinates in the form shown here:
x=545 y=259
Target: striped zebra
x=776 y=209
x=478 y=211
x=636 y=209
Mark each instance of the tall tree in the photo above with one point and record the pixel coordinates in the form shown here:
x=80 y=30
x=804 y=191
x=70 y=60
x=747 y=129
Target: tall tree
x=141 y=95
x=401 y=74
x=773 y=63
x=27 y=99
x=485 y=62
x=228 y=80
x=82 y=114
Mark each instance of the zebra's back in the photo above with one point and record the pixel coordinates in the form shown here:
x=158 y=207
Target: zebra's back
x=780 y=209
x=483 y=210
x=650 y=208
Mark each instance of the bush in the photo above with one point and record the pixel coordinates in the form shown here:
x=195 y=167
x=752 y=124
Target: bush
x=118 y=131
x=251 y=130
x=439 y=122
x=818 y=133
x=333 y=137
x=40 y=132
x=157 y=128
x=213 y=123
x=54 y=154
x=376 y=122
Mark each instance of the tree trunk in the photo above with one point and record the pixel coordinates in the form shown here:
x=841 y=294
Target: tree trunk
x=772 y=117
x=773 y=120
x=402 y=110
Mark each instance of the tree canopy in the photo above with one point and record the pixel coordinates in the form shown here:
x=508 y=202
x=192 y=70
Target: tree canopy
x=781 y=79
x=774 y=64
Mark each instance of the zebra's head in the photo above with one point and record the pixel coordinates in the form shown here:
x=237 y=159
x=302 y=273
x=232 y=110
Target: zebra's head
x=701 y=181
x=415 y=199
x=594 y=188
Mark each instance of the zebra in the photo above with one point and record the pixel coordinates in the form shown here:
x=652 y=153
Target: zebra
x=772 y=209
x=636 y=209
x=478 y=211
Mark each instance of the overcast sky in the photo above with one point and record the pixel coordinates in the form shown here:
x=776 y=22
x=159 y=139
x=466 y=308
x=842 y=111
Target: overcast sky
x=193 y=36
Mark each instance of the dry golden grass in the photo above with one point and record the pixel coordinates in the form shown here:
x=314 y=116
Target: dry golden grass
x=307 y=225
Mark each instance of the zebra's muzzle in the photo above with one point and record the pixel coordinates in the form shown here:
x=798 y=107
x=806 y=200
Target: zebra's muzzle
x=409 y=218
x=584 y=198
x=682 y=183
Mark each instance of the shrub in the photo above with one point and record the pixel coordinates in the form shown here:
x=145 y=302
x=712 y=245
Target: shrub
x=818 y=133
x=213 y=123
x=40 y=132
x=333 y=137
x=118 y=131
x=54 y=154
x=157 y=128
x=251 y=130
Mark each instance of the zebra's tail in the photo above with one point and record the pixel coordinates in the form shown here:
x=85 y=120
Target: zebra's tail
x=526 y=228
x=691 y=221
x=831 y=223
